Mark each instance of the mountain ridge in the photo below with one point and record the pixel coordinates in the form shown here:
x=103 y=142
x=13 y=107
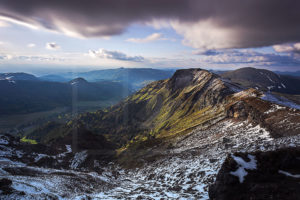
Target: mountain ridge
x=167 y=140
x=264 y=80
x=172 y=108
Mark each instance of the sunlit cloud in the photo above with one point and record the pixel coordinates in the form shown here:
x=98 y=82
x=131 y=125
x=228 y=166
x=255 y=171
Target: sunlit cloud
x=3 y=24
x=150 y=38
x=31 y=45
x=287 y=48
x=18 y=22
x=6 y=56
x=206 y=35
x=116 y=55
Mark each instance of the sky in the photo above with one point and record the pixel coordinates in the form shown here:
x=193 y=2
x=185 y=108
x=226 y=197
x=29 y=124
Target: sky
x=63 y=35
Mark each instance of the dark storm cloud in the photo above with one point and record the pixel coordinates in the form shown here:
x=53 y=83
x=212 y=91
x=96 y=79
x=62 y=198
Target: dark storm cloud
x=233 y=23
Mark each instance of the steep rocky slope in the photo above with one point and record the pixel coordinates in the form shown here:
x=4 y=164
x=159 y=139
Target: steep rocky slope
x=162 y=108
x=168 y=140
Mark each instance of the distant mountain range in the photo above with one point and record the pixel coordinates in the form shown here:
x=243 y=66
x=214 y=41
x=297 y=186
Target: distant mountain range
x=18 y=76
x=295 y=73
x=25 y=93
x=54 y=78
x=25 y=96
x=134 y=77
x=264 y=80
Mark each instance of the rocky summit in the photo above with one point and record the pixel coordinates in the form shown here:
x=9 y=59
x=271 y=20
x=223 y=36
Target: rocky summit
x=193 y=136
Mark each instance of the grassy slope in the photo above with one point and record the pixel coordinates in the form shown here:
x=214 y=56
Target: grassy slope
x=164 y=110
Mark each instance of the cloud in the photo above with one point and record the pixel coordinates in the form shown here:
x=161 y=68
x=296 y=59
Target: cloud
x=31 y=45
x=3 y=24
x=213 y=24
x=116 y=55
x=6 y=56
x=207 y=52
x=150 y=38
x=52 y=46
x=287 y=48
x=31 y=58
x=248 y=58
x=207 y=34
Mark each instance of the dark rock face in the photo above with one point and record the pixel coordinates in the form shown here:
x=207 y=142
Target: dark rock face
x=276 y=177
x=5 y=186
x=6 y=189
x=83 y=139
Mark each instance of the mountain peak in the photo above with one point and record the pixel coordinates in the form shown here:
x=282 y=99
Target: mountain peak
x=78 y=80
x=185 y=77
x=18 y=76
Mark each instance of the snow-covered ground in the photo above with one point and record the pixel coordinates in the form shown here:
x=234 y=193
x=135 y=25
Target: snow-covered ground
x=184 y=172
x=279 y=100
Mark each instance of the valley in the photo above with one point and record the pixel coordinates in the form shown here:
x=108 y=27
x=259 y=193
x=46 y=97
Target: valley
x=28 y=102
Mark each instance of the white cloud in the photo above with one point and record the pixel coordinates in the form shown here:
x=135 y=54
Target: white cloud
x=287 y=48
x=31 y=45
x=150 y=38
x=3 y=24
x=52 y=46
x=116 y=55
x=206 y=35
x=18 y=22
x=9 y=57
x=6 y=56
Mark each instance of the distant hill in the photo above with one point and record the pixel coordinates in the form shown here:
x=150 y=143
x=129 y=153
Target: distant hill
x=134 y=77
x=264 y=80
x=53 y=78
x=18 y=76
x=25 y=96
x=296 y=73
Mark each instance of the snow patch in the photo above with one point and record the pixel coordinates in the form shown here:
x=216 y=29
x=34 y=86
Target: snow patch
x=274 y=108
x=78 y=159
x=39 y=156
x=68 y=148
x=3 y=141
x=270 y=87
x=270 y=79
x=289 y=174
x=279 y=100
x=241 y=172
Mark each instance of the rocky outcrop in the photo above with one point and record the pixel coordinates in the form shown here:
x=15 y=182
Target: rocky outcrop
x=276 y=175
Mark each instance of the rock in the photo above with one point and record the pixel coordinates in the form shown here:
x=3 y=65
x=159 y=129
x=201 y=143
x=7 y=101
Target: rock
x=268 y=181
x=5 y=186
